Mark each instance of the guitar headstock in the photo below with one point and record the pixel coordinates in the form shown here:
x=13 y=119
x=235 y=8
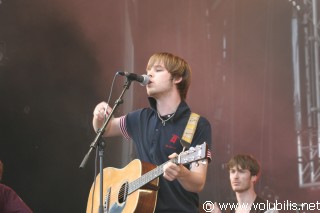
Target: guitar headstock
x=193 y=154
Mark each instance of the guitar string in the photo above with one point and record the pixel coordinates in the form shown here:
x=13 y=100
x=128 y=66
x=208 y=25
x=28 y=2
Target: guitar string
x=120 y=193
x=119 y=190
x=117 y=194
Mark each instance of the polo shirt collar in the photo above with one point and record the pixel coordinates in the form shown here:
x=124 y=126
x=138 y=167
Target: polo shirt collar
x=182 y=108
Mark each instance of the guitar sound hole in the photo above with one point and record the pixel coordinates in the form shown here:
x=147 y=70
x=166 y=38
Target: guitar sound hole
x=122 y=196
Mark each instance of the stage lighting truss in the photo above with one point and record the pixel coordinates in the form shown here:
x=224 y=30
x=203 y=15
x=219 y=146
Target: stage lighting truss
x=305 y=45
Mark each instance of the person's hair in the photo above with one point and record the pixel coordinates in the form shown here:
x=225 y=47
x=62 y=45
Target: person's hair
x=177 y=67
x=245 y=161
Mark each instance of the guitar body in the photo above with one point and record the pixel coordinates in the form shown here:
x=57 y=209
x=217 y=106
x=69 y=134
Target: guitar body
x=115 y=197
x=134 y=188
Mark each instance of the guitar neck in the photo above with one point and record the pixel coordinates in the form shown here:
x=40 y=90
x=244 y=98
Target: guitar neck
x=193 y=154
x=146 y=178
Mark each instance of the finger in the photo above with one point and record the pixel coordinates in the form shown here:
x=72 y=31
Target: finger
x=167 y=176
x=101 y=110
x=173 y=155
x=98 y=112
x=107 y=110
x=168 y=166
x=172 y=171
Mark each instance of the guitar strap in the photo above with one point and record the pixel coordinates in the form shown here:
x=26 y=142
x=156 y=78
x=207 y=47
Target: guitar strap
x=189 y=130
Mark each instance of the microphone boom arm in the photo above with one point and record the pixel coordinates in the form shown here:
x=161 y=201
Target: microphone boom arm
x=98 y=142
x=101 y=130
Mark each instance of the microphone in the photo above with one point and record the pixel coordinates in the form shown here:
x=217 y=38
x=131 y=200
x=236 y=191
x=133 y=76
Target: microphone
x=142 y=79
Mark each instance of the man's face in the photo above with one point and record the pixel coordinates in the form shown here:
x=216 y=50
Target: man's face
x=160 y=81
x=241 y=179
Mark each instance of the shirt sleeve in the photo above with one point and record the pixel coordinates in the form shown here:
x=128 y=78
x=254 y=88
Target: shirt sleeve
x=11 y=202
x=123 y=127
x=204 y=134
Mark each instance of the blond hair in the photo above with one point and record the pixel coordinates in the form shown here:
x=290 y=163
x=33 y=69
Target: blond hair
x=177 y=67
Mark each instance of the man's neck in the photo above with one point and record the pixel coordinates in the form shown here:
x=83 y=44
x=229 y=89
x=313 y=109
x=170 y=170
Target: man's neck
x=168 y=105
x=246 y=197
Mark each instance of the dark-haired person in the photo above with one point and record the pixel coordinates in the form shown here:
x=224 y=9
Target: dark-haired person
x=244 y=172
x=10 y=202
x=157 y=130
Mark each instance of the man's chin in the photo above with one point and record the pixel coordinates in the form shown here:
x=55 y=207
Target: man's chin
x=237 y=189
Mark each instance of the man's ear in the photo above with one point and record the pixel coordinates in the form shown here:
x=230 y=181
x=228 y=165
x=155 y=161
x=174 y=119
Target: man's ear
x=254 y=178
x=177 y=80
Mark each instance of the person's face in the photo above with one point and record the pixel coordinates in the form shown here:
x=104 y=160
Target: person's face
x=160 y=81
x=241 y=179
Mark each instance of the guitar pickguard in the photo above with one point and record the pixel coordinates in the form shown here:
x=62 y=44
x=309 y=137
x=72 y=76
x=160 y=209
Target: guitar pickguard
x=115 y=208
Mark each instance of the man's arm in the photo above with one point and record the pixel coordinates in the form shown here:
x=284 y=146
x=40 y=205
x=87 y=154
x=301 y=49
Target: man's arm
x=192 y=180
x=100 y=113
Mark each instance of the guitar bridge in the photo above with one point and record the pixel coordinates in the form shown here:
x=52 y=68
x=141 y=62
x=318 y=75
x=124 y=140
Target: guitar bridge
x=107 y=201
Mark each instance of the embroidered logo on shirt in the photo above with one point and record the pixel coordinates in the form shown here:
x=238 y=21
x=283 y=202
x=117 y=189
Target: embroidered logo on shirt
x=170 y=147
x=174 y=138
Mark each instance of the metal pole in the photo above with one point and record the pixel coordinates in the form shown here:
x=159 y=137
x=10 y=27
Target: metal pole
x=316 y=66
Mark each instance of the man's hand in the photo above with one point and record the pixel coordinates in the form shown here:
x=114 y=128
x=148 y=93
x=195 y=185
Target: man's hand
x=172 y=171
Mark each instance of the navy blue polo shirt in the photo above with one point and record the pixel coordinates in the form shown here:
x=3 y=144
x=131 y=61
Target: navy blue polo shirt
x=154 y=142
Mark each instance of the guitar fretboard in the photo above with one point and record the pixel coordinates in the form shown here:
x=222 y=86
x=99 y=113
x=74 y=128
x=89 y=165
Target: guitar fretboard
x=191 y=155
x=146 y=178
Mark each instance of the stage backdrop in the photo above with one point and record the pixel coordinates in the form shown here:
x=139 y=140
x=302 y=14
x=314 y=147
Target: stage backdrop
x=59 y=58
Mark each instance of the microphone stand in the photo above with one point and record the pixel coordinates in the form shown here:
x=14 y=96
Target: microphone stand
x=98 y=142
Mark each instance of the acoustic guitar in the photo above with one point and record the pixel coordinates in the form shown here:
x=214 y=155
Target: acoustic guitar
x=134 y=187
